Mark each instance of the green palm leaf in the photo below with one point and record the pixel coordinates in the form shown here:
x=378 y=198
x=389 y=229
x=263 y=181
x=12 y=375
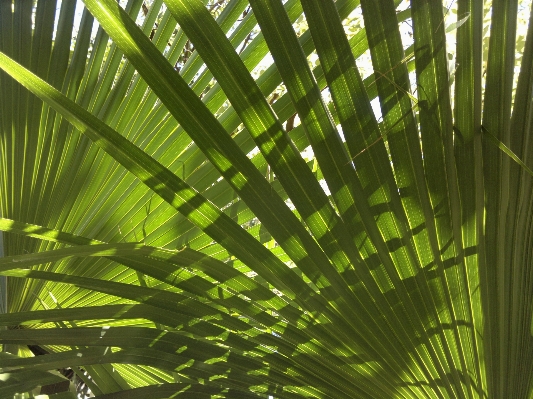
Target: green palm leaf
x=200 y=198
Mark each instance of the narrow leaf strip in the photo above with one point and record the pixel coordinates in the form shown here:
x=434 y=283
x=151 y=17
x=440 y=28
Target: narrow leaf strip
x=506 y=150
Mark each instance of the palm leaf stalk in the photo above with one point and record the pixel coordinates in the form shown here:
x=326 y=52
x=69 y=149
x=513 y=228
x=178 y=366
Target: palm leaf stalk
x=192 y=207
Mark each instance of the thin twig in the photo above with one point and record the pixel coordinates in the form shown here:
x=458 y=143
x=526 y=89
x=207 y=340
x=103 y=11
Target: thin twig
x=290 y=123
x=444 y=16
x=248 y=38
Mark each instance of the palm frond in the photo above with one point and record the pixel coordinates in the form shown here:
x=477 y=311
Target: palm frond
x=208 y=198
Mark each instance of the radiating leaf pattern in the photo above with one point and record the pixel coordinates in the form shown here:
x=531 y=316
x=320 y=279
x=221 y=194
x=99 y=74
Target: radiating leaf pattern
x=200 y=198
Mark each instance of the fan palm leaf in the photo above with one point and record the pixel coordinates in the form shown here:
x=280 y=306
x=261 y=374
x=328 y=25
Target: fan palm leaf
x=192 y=207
